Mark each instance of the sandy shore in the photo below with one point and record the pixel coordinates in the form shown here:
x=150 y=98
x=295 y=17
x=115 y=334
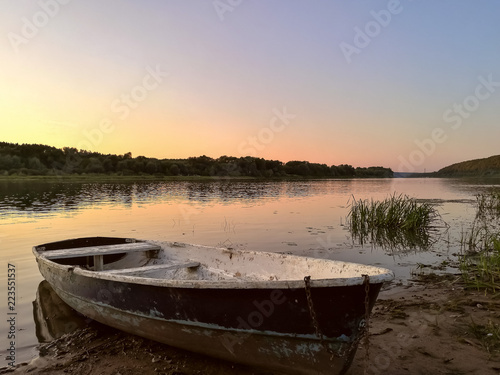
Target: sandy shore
x=425 y=327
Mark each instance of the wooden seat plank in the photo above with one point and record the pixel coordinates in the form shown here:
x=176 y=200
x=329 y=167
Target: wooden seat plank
x=152 y=268
x=99 y=250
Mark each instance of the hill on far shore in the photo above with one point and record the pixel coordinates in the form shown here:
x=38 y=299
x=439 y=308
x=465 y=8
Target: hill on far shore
x=478 y=167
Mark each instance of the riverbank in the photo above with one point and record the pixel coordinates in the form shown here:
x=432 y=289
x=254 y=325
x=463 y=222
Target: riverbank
x=429 y=326
x=490 y=178
x=142 y=178
x=123 y=178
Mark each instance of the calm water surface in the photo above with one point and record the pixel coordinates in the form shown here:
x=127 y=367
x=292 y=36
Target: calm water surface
x=299 y=217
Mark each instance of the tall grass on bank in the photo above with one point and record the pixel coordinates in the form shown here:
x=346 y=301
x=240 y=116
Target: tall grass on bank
x=481 y=238
x=488 y=205
x=482 y=270
x=480 y=246
x=488 y=335
x=398 y=221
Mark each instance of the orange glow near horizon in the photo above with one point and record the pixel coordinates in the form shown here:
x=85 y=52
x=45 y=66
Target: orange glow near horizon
x=182 y=82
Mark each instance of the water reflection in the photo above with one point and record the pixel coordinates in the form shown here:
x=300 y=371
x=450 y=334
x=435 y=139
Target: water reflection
x=53 y=317
x=50 y=196
x=398 y=241
x=45 y=196
x=469 y=186
x=302 y=217
x=39 y=196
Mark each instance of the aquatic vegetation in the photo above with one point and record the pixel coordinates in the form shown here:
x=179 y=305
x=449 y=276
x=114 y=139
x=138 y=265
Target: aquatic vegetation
x=488 y=205
x=480 y=258
x=480 y=246
x=480 y=238
x=396 y=222
x=482 y=270
x=488 y=335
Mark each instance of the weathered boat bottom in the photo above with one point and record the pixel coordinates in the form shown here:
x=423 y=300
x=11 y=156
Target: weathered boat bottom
x=257 y=308
x=284 y=353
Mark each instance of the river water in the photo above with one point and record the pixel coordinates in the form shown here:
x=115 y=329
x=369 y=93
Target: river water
x=298 y=217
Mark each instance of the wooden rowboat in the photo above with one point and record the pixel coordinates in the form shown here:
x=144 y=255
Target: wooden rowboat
x=297 y=315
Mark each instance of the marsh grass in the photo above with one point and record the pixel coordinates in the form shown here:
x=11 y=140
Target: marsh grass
x=480 y=246
x=396 y=222
x=488 y=335
x=488 y=205
x=481 y=238
x=481 y=269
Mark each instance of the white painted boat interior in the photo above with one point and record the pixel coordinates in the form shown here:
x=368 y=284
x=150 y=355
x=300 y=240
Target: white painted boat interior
x=184 y=262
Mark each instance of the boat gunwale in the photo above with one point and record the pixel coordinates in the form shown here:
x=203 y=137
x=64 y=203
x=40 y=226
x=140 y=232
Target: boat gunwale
x=383 y=275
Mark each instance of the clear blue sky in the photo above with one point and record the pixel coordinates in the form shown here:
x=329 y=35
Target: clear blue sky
x=410 y=85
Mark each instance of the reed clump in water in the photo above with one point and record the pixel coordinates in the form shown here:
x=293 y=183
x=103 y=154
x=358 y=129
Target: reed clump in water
x=488 y=205
x=480 y=246
x=398 y=221
x=487 y=334
x=482 y=270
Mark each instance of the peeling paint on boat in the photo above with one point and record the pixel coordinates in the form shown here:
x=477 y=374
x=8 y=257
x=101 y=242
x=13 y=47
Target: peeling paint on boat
x=244 y=306
x=155 y=313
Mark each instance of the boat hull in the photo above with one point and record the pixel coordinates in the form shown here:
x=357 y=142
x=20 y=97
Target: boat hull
x=263 y=327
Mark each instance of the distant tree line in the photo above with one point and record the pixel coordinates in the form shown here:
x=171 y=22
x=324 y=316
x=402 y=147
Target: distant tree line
x=34 y=159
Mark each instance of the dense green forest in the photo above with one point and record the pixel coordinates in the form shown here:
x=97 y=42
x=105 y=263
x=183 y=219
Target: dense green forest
x=41 y=160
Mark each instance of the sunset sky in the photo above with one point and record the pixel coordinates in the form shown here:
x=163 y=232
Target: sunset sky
x=410 y=85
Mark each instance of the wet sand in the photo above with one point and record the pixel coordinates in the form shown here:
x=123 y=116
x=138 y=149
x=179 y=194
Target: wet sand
x=420 y=328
